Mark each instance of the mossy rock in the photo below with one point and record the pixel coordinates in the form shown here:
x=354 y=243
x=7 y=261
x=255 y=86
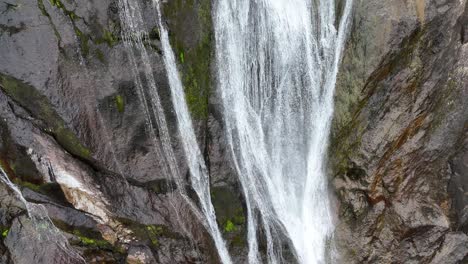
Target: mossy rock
x=92 y=242
x=230 y=215
x=120 y=103
x=151 y=234
x=50 y=189
x=88 y=238
x=188 y=18
x=4 y=231
x=100 y=55
x=108 y=37
x=40 y=108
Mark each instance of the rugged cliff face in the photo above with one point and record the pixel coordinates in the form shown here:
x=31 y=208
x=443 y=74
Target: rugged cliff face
x=398 y=151
x=74 y=138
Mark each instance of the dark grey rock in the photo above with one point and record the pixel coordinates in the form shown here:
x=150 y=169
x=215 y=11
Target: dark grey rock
x=34 y=239
x=458 y=187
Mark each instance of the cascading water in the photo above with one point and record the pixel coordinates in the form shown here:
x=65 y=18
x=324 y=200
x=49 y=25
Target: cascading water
x=199 y=173
x=133 y=35
x=277 y=62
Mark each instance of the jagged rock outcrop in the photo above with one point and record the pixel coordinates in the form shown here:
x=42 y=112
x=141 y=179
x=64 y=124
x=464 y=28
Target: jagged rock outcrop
x=398 y=148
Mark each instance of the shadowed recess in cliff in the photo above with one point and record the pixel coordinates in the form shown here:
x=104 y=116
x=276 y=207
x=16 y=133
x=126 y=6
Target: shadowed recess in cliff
x=277 y=63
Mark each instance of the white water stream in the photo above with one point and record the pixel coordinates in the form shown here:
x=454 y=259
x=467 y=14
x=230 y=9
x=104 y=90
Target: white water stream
x=133 y=35
x=277 y=62
x=200 y=179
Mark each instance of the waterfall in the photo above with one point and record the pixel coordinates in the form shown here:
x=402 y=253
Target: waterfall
x=199 y=173
x=134 y=34
x=277 y=62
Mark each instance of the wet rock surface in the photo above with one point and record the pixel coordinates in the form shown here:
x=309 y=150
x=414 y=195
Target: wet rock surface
x=398 y=143
x=74 y=138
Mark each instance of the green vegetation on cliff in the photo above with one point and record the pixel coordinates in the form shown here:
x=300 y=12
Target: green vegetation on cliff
x=120 y=103
x=150 y=233
x=4 y=231
x=230 y=215
x=191 y=38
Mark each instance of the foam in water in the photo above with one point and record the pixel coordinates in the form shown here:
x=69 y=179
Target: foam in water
x=277 y=63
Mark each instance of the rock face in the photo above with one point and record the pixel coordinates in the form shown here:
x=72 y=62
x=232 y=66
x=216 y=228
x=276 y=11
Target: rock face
x=74 y=138
x=398 y=147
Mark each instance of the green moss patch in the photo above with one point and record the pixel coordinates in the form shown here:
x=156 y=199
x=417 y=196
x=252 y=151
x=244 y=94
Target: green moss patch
x=87 y=238
x=4 y=231
x=229 y=226
x=108 y=37
x=230 y=215
x=100 y=55
x=120 y=103
x=181 y=56
x=150 y=233
x=56 y=3
x=92 y=242
x=84 y=41
x=40 y=5
x=153 y=233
